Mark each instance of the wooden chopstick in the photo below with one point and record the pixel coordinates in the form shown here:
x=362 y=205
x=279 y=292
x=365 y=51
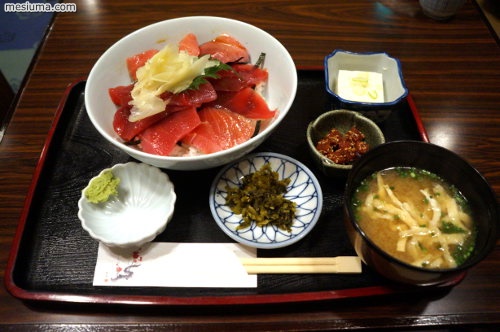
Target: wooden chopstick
x=340 y=264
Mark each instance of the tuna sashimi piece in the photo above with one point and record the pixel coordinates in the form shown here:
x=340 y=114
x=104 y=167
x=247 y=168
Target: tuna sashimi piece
x=251 y=74
x=227 y=39
x=121 y=95
x=225 y=49
x=191 y=97
x=220 y=129
x=241 y=76
x=203 y=138
x=137 y=61
x=246 y=102
x=189 y=44
x=128 y=130
x=161 y=137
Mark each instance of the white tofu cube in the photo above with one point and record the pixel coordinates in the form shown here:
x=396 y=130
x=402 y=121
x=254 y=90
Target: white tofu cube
x=360 y=86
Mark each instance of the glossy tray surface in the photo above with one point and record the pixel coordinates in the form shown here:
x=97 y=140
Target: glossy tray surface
x=53 y=258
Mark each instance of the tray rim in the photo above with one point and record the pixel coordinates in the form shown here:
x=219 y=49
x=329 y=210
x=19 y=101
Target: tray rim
x=29 y=295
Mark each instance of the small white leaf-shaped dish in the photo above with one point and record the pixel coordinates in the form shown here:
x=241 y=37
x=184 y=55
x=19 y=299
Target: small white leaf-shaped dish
x=141 y=210
x=304 y=190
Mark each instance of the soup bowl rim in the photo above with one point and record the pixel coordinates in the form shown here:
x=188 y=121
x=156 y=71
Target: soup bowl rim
x=471 y=261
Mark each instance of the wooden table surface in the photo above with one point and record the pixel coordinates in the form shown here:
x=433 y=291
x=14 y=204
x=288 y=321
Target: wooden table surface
x=451 y=68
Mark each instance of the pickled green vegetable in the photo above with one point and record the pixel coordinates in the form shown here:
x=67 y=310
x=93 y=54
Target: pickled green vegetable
x=260 y=200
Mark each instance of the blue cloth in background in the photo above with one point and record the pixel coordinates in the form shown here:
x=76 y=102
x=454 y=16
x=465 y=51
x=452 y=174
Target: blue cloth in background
x=22 y=30
x=20 y=37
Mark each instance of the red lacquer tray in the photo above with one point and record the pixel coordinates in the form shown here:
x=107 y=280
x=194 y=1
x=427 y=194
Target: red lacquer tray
x=53 y=258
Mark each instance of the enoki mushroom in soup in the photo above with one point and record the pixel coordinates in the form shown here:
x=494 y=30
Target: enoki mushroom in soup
x=415 y=216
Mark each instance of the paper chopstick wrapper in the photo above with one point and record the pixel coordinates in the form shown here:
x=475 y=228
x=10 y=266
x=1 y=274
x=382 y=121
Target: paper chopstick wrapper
x=166 y=264
x=340 y=264
x=160 y=264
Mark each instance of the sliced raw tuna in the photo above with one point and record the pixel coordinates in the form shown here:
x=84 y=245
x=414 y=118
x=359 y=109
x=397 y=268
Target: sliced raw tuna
x=241 y=76
x=216 y=116
x=162 y=136
x=192 y=97
x=220 y=129
x=227 y=39
x=203 y=138
x=225 y=49
x=190 y=45
x=128 y=130
x=251 y=74
x=137 y=61
x=246 y=102
x=120 y=95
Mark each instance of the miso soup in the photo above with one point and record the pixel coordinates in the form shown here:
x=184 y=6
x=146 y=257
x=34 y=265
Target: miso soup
x=415 y=216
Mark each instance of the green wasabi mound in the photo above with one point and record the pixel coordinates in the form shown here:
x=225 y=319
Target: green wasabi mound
x=102 y=187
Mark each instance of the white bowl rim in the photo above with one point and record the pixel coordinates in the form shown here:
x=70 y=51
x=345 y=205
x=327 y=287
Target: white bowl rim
x=201 y=157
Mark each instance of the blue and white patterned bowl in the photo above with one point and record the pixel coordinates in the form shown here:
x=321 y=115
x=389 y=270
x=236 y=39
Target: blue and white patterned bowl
x=303 y=189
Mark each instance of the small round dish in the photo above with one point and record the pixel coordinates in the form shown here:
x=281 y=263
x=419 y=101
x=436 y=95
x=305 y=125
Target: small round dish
x=343 y=121
x=141 y=210
x=303 y=189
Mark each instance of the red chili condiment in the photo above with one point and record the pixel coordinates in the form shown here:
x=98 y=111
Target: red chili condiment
x=343 y=149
